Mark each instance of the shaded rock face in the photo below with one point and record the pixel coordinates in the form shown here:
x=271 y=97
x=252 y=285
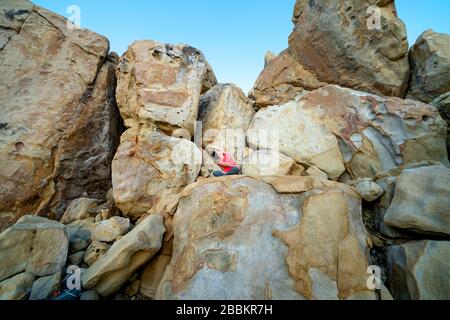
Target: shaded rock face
x=430 y=66
x=337 y=130
x=420 y=270
x=149 y=166
x=34 y=244
x=416 y=202
x=161 y=84
x=442 y=103
x=58 y=130
x=267 y=238
x=333 y=40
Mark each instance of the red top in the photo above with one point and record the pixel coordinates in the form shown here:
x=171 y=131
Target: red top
x=226 y=162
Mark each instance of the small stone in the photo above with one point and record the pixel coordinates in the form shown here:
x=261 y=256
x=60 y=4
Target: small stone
x=368 y=189
x=316 y=172
x=109 y=230
x=76 y=258
x=95 y=251
x=79 y=209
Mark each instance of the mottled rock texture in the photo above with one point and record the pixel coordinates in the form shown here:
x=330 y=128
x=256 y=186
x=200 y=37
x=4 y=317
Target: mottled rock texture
x=58 y=128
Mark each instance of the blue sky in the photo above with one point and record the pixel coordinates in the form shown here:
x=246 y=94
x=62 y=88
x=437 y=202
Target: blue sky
x=234 y=35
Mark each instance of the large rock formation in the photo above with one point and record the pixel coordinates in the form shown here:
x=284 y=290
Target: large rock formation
x=339 y=42
x=267 y=238
x=59 y=124
x=416 y=201
x=430 y=66
x=161 y=84
x=337 y=130
x=420 y=270
x=150 y=166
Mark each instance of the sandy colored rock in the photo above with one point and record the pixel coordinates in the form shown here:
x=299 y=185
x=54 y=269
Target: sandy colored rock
x=282 y=80
x=150 y=166
x=161 y=84
x=114 y=268
x=152 y=275
x=339 y=43
x=430 y=66
x=35 y=245
x=109 y=230
x=303 y=235
x=95 y=250
x=17 y=287
x=225 y=113
x=417 y=201
x=268 y=163
x=79 y=209
x=367 y=133
x=58 y=127
x=368 y=189
x=420 y=270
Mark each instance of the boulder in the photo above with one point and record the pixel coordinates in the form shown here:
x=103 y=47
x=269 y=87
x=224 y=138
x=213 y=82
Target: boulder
x=161 y=84
x=282 y=80
x=109 y=230
x=58 y=130
x=17 y=287
x=149 y=166
x=369 y=190
x=76 y=258
x=35 y=245
x=338 y=129
x=225 y=113
x=115 y=267
x=262 y=238
x=95 y=250
x=44 y=287
x=341 y=43
x=419 y=270
x=430 y=66
x=417 y=200
x=268 y=163
x=79 y=209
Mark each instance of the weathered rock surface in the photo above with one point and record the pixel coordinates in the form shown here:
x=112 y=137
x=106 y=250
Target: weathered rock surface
x=45 y=286
x=339 y=43
x=268 y=163
x=59 y=121
x=369 y=190
x=225 y=113
x=109 y=230
x=35 y=245
x=430 y=66
x=442 y=103
x=417 y=201
x=420 y=270
x=95 y=250
x=283 y=79
x=80 y=234
x=152 y=275
x=333 y=127
x=136 y=248
x=79 y=209
x=161 y=84
x=267 y=238
x=149 y=166
x=17 y=287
